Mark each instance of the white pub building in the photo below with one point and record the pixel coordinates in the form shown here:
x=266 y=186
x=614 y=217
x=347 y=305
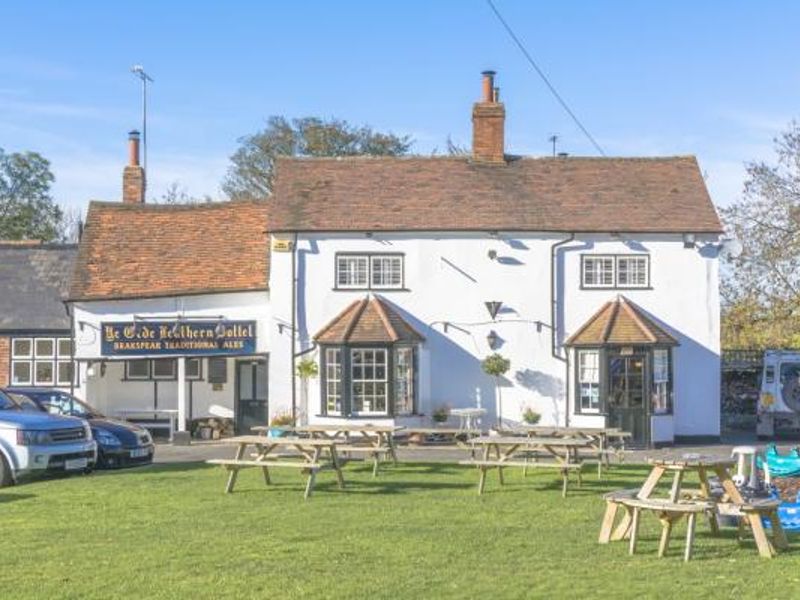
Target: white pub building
x=597 y=278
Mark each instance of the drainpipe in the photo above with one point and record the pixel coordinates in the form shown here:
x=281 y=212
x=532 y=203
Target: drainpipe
x=71 y=315
x=294 y=328
x=554 y=320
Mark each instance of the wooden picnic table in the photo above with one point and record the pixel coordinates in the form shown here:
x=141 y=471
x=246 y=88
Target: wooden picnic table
x=308 y=455
x=598 y=438
x=562 y=452
x=376 y=441
x=730 y=502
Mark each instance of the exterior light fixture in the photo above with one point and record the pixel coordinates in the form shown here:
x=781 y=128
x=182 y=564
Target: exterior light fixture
x=219 y=330
x=493 y=306
x=689 y=240
x=539 y=325
x=493 y=339
x=492 y=254
x=175 y=329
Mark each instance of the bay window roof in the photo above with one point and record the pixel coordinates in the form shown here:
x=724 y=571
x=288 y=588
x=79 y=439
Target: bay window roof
x=368 y=320
x=620 y=322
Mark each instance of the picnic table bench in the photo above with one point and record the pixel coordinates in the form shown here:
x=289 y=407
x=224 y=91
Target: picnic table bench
x=436 y=437
x=562 y=453
x=310 y=456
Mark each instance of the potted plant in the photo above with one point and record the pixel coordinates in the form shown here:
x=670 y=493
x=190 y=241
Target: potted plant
x=530 y=416
x=497 y=365
x=305 y=369
x=440 y=414
x=278 y=423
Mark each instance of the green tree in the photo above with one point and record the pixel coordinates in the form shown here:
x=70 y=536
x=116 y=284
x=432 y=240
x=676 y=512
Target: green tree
x=252 y=169
x=761 y=287
x=496 y=365
x=27 y=211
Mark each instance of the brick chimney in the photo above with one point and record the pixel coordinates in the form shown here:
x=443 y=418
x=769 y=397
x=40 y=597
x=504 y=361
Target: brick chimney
x=488 y=124
x=133 y=177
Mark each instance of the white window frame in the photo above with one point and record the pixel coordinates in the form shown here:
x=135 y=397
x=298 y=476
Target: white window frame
x=661 y=383
x=352 y=270
x=64 y=382
x=593 y=381
x=635 y=258
x=44 y=382
x=32 y=358
x=595 y=260
x=396 y=261
x=373 y=381
x=29 y=380
x=14 y=354
x=138 y=377
x=334 y=371
x=409 y=409
x=36 y=354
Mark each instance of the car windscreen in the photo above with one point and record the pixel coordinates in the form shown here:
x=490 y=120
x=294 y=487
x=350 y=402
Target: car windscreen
x=61 y=403
x=7 y=403
x=790 y=384
x=24 y=402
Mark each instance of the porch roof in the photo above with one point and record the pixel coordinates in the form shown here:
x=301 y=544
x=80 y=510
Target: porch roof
x=620 y=322
x=369 y=320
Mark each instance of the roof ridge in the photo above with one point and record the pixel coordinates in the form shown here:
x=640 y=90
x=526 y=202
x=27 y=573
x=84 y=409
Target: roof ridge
x=633 y=314
x=355 y=318
x=385 y=318
x=333 y=321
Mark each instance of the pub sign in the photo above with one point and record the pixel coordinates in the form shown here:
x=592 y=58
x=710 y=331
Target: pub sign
x=142 y=338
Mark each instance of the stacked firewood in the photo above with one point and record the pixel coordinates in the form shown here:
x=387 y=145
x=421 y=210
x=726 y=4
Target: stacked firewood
x=212 y=428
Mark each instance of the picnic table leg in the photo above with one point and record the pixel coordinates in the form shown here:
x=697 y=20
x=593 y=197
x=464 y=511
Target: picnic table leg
x=634 y=531
x=763 y=544
x=677 y=479
x=666 y=530
x=705 y=491
x=375 y=460
x=392 y=449
x=312 y=473
x=337 y=467
x=650 y=483
x=482 y=469
x=499 y=469
x=778 y=534
x=608 y=522
x=689 y=536
x=565 y=482
x=234 y=472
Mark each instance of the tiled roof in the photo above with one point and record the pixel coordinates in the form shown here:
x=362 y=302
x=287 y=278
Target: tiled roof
x=620 y=322
x=527 y=194
x=369 y=320
x=33 y=283
x=150 y=250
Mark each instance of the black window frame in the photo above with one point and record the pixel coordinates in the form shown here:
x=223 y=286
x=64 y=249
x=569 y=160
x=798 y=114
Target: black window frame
x=369 y=257
x=615 y=274
x=346 y=380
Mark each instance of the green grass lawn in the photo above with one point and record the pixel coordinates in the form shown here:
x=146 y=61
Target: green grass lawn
x=418 y=531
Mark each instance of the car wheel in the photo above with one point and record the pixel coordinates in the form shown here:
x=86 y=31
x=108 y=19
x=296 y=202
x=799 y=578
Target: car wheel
x=6 y=477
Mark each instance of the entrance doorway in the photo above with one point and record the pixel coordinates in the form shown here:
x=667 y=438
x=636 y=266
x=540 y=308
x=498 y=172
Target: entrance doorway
x=627 y=408
x=252 y=401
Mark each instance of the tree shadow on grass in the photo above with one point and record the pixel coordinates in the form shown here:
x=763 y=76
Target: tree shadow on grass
x=5 y=498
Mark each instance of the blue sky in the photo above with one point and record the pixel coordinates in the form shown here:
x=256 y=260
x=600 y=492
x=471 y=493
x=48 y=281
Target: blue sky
x=715 y=79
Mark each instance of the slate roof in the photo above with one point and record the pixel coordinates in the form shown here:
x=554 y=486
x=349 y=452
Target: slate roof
x=369 y=320
x=34 y=279
x=152 y=250
x=528 y=194
x=620 y=322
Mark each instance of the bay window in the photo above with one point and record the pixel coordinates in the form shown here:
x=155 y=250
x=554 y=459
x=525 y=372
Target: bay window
x=369 y=380
x=661 y=392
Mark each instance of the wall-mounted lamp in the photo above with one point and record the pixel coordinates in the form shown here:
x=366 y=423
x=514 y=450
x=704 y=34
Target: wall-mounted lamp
x=689 y=240
x=175 y=329
x=493 y=339
x=492 y=254
x=103 y=369
x=493 y=306
x=539 y=326
x=219 y=330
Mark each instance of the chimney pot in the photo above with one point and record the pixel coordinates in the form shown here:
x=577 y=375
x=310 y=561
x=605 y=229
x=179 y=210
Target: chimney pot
x=133 y=148
x=488 y=85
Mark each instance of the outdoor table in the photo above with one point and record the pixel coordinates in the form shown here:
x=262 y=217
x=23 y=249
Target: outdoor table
x=731 y=503
x=468 y=418
x=170 y=414
x=375 y=440
x=307 y=457
x=598 y=438
x=562 y=451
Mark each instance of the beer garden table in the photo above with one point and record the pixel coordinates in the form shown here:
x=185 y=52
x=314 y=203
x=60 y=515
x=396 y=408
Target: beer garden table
x=308 y=455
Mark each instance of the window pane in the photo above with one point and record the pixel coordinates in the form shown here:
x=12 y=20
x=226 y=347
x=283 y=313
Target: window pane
x=351 y=271
x=387 y=271
x=64 y=347
x=598 y=271
x=164 y=368
x=22 y=348
x=589 y=380
x=403 y=381
x=138 y=369
x=193 y=368
x=64 y=372
x=370 y=386
x=21 y=373
x=44 y=372
x=45 y=347
x=333 y=381
x=632 y=271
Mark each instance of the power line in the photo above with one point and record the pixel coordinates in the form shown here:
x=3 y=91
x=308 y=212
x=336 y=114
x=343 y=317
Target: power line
x=541 y=74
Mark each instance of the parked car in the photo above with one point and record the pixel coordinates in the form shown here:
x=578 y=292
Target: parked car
x=35 y=442
x=119 y=443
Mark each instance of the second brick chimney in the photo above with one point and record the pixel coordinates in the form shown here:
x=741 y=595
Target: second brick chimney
x=133 y=177
x=488 y=124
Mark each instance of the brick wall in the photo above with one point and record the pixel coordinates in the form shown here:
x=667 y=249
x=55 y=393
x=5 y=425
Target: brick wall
x=5 y=360
x=488 y=125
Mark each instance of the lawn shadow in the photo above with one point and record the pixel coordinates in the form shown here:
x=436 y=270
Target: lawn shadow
x=5 y=498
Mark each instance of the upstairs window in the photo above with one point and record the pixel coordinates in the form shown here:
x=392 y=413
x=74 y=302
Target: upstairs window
x=41 y=361
x=615 y=271
x=369 y=271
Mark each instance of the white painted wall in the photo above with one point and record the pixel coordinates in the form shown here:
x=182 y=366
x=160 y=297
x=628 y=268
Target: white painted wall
x=111 y=390
x=450 y=276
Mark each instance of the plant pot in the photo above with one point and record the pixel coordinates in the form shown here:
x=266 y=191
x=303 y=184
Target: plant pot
x=276 y=432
